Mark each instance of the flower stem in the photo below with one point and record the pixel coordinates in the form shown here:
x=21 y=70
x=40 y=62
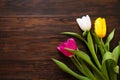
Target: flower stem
x=77 y=64
x=82 y=67
x=92 y=50
x=68 y=70
x=102 y=43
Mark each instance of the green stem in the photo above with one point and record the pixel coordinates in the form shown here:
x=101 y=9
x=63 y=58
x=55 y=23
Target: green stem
x=77 y=64
x=102 y=43
x=95 y=57
x=68 y=70
x=92 y=50
x=114 y=77
x=87 y=70
x=99 y=73
x=83 y=68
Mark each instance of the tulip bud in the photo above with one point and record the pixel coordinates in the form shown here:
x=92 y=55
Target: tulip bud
x=84 y=23
x=71 y=44
x=100 y=27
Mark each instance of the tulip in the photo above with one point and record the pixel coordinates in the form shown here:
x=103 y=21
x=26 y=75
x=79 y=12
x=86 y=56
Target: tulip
x=71 y=44
x=84 y=23
x=100 y=27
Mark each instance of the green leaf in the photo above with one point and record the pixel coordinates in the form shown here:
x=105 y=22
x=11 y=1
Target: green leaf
x=85 y=33
x=108 y=66
x=116 y=69
x=87 y=70
x=82 y=67
x=74 y=35
x=99 y=44
x=108 y=56
x=92 y=50
x=104 y=71
x=83 y=56
x=116 y=52
x=112 y=69
x=97 y=39
x=68 y=70
x=109 y=38
x=96 y=48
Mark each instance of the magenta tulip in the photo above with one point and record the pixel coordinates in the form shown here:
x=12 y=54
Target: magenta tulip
x=71 y=44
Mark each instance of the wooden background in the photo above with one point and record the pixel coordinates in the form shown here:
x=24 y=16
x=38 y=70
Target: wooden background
x=29 y=34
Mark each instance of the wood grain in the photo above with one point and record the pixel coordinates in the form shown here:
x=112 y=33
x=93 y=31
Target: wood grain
x=29 y=34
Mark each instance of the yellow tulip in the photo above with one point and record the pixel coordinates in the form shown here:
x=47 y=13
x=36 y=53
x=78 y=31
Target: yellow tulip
x=100 y=27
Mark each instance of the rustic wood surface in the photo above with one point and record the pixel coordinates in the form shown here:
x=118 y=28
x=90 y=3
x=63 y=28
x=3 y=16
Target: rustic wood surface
x=29 y=34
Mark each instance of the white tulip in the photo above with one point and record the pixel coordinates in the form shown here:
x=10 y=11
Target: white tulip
x=84 y=23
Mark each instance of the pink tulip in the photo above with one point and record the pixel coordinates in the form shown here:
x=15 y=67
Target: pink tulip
x=71 y=44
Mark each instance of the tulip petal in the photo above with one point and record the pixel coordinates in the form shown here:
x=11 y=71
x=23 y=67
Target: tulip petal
x=100 y=27
x=70 y=43
x=84 y=23
x=88 y=21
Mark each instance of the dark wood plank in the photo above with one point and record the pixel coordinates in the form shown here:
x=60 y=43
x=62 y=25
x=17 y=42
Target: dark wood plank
x=59 y=7
x=29 y=34
x=28 y=44
x=18 y=36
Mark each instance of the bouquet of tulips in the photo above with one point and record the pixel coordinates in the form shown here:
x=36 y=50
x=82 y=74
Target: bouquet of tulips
x=90 y=67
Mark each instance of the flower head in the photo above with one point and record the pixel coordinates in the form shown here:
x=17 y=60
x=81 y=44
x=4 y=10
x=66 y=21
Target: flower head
x=70 y=43
x=100 y=27
x=84 y=23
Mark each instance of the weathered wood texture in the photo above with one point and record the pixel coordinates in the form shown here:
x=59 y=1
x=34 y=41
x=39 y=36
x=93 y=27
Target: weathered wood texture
x=29 y=34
